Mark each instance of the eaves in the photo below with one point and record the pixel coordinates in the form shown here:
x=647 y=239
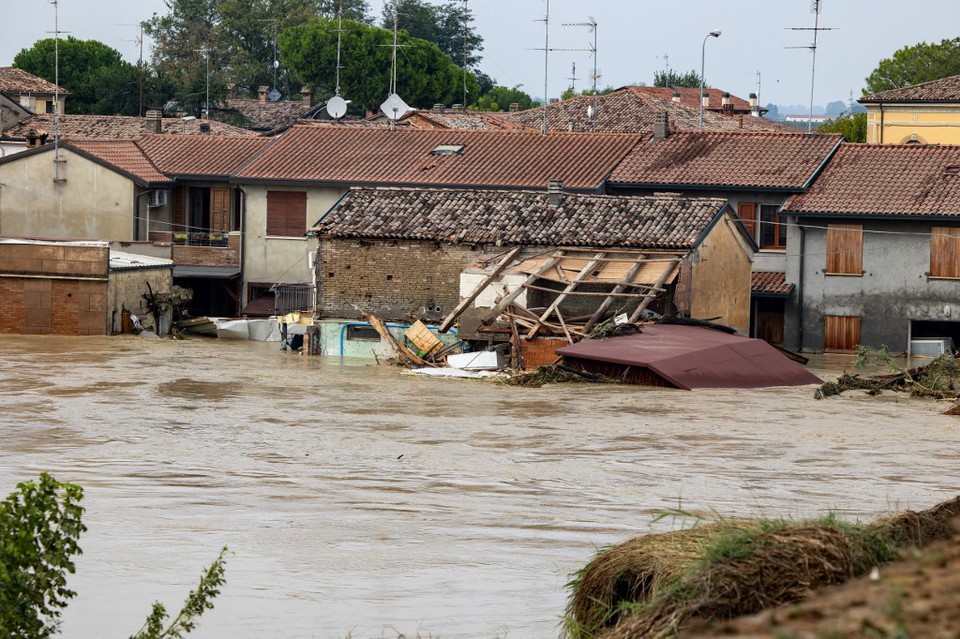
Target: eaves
x=900 y=217
x=675 y=186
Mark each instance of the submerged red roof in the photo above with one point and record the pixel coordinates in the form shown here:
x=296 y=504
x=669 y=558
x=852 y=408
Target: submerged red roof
x=691 y=357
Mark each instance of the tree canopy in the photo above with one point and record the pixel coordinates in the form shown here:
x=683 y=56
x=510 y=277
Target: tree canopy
x=447 y=25
x=671 y=78
x=914 y=64
x=424 y=74
x=97 y=77
x=499 y=98
x=852 y=126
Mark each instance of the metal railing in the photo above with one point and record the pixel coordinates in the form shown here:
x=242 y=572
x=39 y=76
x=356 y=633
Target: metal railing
x=204 y=238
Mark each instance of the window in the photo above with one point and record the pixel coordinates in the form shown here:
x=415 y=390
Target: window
x=841 y=334
x=844 y=249
x=286 y=213
x=362 y=334
x=50 y=106
x=945 y=251
x=773 y=235
x=748 y=215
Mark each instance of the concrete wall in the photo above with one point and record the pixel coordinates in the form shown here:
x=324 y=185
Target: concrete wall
x=126 y=290
x=280 y=259
x=893 y=290
x=720 y=277
x=926 y=124
x=91 y=202
x=390 y=279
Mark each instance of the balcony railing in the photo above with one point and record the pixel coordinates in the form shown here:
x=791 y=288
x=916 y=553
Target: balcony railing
x=204 y=238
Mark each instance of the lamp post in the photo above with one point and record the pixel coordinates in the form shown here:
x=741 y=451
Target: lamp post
x=703 y=58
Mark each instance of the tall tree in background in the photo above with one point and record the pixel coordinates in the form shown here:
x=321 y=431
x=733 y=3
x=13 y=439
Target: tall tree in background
x=97 y=77
x=671 y=78
x=915 y=64
x=448 y=25
x=853 y=126
x=356 y=10
x=499 y=98
x=424 y=74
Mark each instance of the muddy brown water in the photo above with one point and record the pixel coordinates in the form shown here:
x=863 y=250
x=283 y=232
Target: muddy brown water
x=359 y=501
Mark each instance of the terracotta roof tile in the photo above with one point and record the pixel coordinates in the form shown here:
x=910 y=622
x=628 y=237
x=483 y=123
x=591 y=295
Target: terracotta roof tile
x=770 y=284
x=942 y=90
x=867 y=179
x=521 y=217
x=375 y=156
x=728 y=159
x=14 y=80
x=630 y=110
x=464 y=119
x=267 y=116
x=116 y=127
x=690 y=97
x=208 y=155
x=126 y=156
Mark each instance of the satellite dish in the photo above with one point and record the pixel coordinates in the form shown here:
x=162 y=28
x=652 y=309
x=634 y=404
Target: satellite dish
x=394 y=107
x=274 y=95
x=337 y=107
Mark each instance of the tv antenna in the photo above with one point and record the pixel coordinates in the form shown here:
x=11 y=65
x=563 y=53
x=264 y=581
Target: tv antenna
x=394 y=107
x=275 y=66
x=591 y=24
x=138 y=42
x=463 y=60
x=205 y=52
x=815 y=7
x=56 y=90
x=546 y=66
x=573 y=77
x=337 y=106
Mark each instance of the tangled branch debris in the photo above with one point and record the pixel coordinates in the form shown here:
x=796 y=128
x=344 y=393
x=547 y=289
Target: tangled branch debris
x=940 y=379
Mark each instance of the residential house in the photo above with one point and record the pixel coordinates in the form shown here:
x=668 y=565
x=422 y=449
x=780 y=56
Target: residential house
x=634 y=109
x=402 y=253
x=877 y=259
x=307 y=170
x=263 y=115
x=754 y=171
x=927 y=113
x=32 y=93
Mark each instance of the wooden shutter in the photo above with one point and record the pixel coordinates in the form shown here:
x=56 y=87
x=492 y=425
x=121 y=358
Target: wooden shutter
x=945 y=251
x=841 y=334
x=286 y=213
x=748 y=215
x=179 y=210
x=219 y=209
x=845 y=249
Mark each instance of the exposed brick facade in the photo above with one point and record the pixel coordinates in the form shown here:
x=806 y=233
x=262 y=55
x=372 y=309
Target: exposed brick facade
x=391 y=279
x=209 y=255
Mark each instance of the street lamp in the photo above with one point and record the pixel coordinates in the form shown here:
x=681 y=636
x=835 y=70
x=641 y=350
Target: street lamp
x=703 y=58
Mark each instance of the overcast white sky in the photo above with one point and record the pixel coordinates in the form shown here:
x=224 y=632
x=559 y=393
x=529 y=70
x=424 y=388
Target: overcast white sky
x=635 y=37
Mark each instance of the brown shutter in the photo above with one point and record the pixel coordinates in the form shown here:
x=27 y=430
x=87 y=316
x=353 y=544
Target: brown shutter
x=179 y=210
x=845 y=249
x=748 y=215
x=296 y=214
x=286 y=213
x=219 y=209
x=944 y=251
x=841 y=334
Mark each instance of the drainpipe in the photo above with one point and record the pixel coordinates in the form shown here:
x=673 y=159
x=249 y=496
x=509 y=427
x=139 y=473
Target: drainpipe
x=803 y=238
x=243 y=244
x=881 y=123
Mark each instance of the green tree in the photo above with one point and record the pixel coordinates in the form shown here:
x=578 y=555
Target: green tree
x=671 y=78
x=425 y=76
x=914 y=64
x=448 y=25
x=97 y=77
x=571 y=93
x=40 y=524
x=853 y=126
x=500 y=98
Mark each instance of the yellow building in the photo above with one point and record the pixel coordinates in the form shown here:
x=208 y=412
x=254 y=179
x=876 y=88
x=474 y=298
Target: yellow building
x=927 y=113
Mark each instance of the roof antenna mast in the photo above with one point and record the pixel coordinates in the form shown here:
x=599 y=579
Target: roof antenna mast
x=394 y=107
x=337 y=106
x=56 y=90
x=463 y=61
x=591 y=24
x=546 y=66
x=815 y=8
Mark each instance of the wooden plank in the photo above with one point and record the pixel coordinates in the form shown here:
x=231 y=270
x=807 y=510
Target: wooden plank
x=462 y=306
x=563 y=325
x=660 y=282
x=619 y=288
x=508 y=299
x=584 y=272
x=576 y=293
x=401 y=350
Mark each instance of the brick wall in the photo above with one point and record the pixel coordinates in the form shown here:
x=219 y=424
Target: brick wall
x=11 y=305
x=209 y=255
x=391 y=279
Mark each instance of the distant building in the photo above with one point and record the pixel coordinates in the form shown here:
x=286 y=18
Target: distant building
x=31 y=92
x=804 y=118
x=927 y=113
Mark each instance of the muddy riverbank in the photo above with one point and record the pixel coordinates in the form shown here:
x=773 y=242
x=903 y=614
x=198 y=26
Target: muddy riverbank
x=359 y=500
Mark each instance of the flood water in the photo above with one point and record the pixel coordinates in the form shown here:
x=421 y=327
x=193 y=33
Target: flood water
x=359 y=501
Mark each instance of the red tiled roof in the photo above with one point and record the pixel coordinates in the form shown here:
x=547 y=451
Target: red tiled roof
x=14 y=80
x=690 y=97
x=267 y=115
x=201 y=154
x=735 y=159
x=461 y=119
x=126 y=156
x=770 y=284
x=374 y=156
x=942 y=90
x=116 y=127
x=629 y=110
x=521 y=217
x=867 y=179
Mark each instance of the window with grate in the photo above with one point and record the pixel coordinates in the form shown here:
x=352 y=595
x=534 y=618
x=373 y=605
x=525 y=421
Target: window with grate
x=286 y=213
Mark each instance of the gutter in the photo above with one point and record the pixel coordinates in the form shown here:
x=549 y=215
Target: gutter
x=660 y=186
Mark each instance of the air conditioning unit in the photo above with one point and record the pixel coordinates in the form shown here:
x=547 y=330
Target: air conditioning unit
x=158 y=198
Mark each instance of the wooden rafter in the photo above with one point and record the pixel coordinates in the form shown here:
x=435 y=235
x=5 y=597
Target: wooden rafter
x=619 y=288
x=582 y=275
x=462 y=306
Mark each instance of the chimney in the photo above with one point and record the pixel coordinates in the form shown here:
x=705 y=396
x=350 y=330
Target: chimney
x=554 y=192
x=754 y=106
x=231 y=90
x=154 y=123
x=204 y=128
x=262 y=93
x=514 y=107
x=661 y=125
x=456 y=107
x=726 y=104
x=676 y=97
x=306 y=94
x=439 y=106
x=35 y=138
x=705 y=99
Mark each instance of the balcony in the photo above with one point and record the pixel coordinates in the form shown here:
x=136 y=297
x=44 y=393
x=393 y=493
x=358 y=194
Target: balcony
x=219 y=239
